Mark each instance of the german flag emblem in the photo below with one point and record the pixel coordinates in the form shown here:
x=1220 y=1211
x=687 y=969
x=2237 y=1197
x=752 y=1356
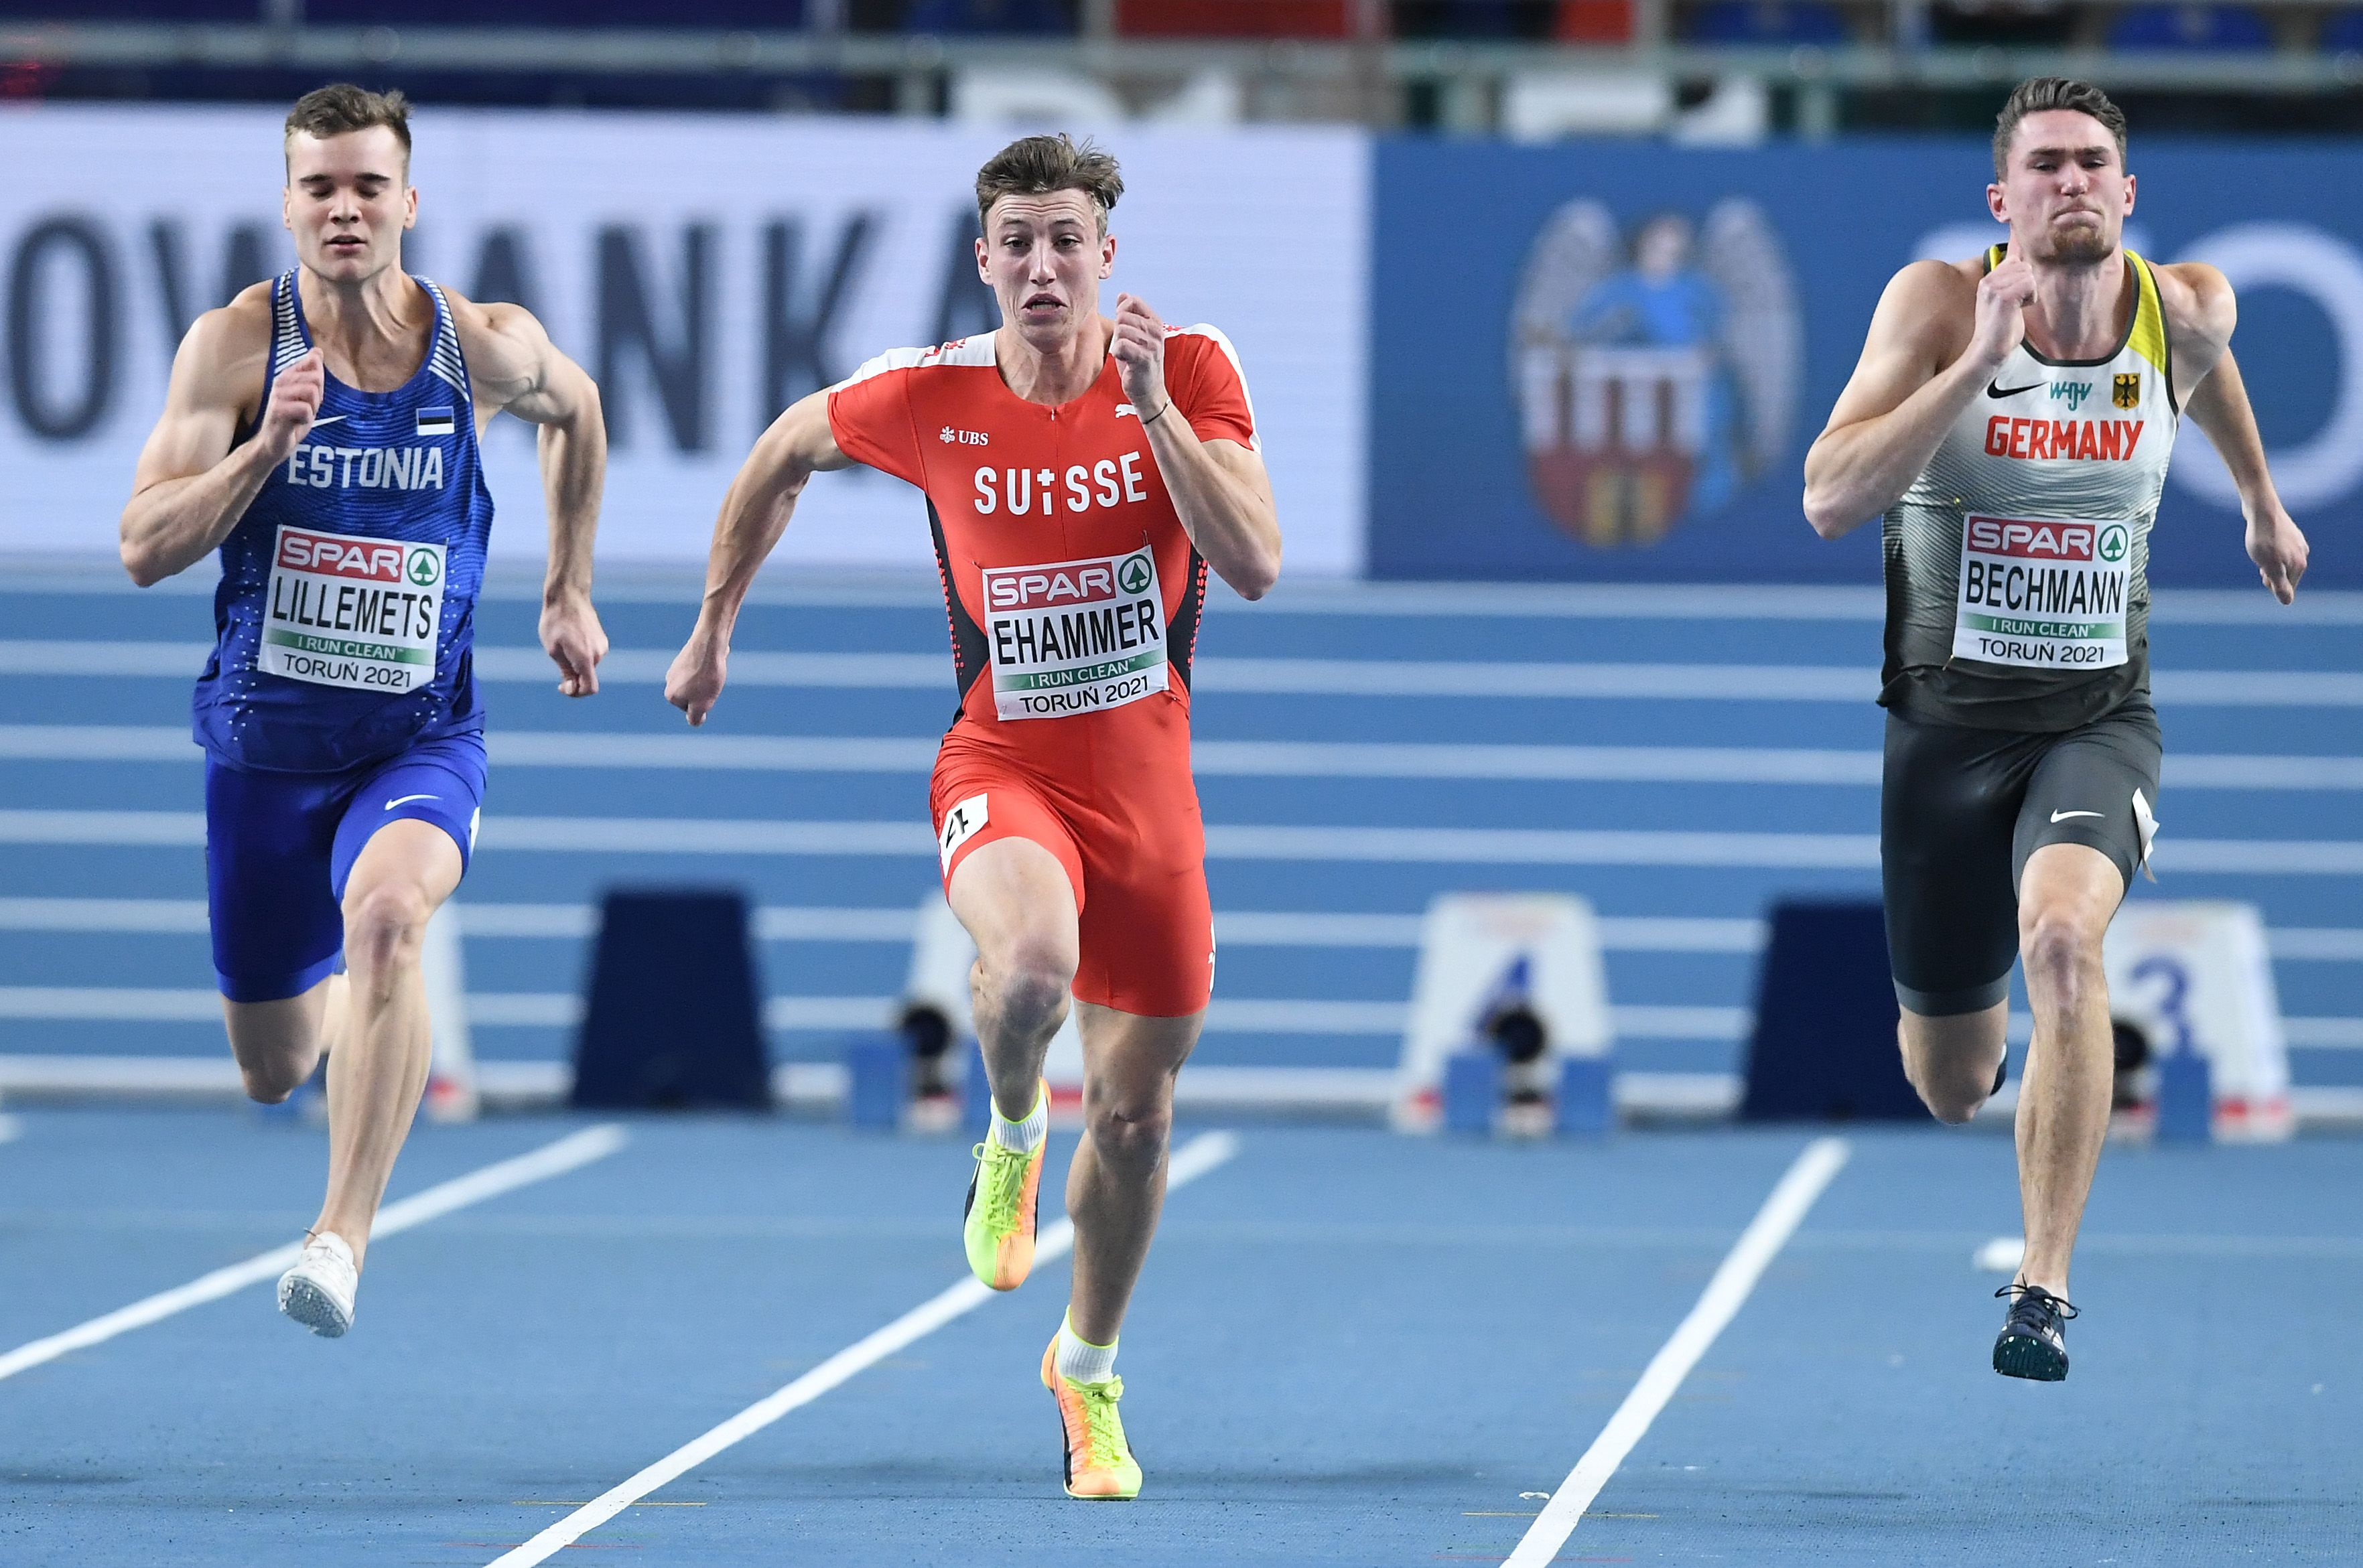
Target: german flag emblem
x=2127 y=391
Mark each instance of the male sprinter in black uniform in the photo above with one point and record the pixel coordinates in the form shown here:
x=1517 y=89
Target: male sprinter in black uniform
x=2011 y=417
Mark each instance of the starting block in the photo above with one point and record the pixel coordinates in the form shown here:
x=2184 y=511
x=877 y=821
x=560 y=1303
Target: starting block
x=2195 y=980
x=1509 y=1028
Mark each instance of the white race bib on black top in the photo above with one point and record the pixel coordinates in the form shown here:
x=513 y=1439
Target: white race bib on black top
x=2043 y=592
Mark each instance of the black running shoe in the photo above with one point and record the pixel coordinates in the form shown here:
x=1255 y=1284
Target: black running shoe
x=2033 y=1343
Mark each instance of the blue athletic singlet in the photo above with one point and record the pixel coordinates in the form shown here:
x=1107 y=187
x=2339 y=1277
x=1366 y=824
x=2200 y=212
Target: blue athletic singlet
x=346 y=614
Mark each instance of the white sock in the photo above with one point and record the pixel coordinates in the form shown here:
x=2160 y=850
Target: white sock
x=1024 y=1136
x=1080 y=1360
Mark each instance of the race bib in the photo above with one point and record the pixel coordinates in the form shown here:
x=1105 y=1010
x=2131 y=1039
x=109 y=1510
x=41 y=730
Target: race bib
x=1077 y=637
x=352 y=612
x=2043 y=593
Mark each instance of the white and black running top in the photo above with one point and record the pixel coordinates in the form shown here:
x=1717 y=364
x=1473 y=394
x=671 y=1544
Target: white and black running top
x=2016 y=590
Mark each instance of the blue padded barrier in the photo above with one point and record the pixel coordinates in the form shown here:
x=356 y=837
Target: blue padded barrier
x=1824 y=1046
x=674 y=1018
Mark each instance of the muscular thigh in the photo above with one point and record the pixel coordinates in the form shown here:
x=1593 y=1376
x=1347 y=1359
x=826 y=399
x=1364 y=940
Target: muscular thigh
x=1949 y=802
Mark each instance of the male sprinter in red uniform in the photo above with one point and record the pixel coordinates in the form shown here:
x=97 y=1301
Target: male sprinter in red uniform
x=1082 y=475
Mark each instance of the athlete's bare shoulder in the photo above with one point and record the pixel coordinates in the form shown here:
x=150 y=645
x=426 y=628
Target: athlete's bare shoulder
x=503 y=343
x=514 y=367
x=220 y=361
x=2198 y=302
x=1933 y=304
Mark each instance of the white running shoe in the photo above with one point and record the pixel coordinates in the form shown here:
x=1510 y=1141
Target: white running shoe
x=318 y=1291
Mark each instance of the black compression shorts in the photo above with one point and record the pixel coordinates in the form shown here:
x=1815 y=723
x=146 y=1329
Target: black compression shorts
x=1960 y=811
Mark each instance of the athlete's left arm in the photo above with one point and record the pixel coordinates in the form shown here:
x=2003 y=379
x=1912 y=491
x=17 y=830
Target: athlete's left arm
x=1219 y=488
x=516 y=367
x=2201 y=312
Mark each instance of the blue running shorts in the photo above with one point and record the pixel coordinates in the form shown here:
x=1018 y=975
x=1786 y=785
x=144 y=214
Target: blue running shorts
x=280 y=845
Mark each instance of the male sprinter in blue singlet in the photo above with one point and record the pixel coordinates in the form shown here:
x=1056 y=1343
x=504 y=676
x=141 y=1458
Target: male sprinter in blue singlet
x=321 y=432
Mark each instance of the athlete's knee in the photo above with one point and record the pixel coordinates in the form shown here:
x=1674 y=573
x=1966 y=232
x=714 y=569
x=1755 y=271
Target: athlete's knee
x=1131 y=1130
x=1030 y=978
x=1954 y=1084
x=2063 y=961
x=1955 y=1099
x=385 y=925
x=271 y=1072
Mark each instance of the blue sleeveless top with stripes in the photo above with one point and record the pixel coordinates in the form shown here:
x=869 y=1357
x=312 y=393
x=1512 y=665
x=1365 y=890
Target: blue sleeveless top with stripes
x=346 y=615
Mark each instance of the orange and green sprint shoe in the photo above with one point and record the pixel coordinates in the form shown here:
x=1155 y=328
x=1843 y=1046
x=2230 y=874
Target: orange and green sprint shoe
x=1099 y=1463
x=1004 y=1197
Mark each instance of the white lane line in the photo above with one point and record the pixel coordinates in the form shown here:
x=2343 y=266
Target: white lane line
x=568 y=1153
x=1568 y=678
x=1190 y=1162
x=1374 y=846
x=899 y=922
x=1305 y=595
x=1792 y=1196
x=1209 y=759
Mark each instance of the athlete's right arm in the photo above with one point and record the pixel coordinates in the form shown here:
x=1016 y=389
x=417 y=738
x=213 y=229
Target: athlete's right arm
x=191 y=487
x=754 y=514
x=1915 y=376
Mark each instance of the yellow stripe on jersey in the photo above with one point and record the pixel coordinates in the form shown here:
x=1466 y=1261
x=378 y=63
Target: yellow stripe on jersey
x=2149 y=336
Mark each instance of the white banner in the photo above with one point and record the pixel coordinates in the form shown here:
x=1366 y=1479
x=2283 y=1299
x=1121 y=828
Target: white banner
x=707 y=270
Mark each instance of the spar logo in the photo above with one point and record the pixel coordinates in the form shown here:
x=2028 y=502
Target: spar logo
x=1068 y=584
x=361 y=560
x=2044 y=541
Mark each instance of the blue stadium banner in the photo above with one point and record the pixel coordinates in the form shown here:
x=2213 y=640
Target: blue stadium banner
x=1604 y=361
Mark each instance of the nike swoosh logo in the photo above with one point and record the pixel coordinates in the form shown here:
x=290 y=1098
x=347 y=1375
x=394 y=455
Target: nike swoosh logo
x=408 y=799
x=331 y=420
x=2062 y=816
x=1124 y=409
x=1994 y=390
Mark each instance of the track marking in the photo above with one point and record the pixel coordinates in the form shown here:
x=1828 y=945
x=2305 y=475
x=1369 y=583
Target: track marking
x=1190 y=1161
x=1782 y=1212
x=552 y=1159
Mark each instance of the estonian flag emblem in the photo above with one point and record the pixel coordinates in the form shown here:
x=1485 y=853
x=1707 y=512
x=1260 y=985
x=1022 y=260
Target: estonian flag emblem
x=434 y=421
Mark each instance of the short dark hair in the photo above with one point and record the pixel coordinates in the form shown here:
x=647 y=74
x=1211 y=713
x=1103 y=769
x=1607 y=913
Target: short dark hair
x=2039 y=93
x=1037 y=165
x=342 y=108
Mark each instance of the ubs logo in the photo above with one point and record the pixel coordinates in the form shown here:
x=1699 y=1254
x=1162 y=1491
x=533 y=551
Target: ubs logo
x=950 y=436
